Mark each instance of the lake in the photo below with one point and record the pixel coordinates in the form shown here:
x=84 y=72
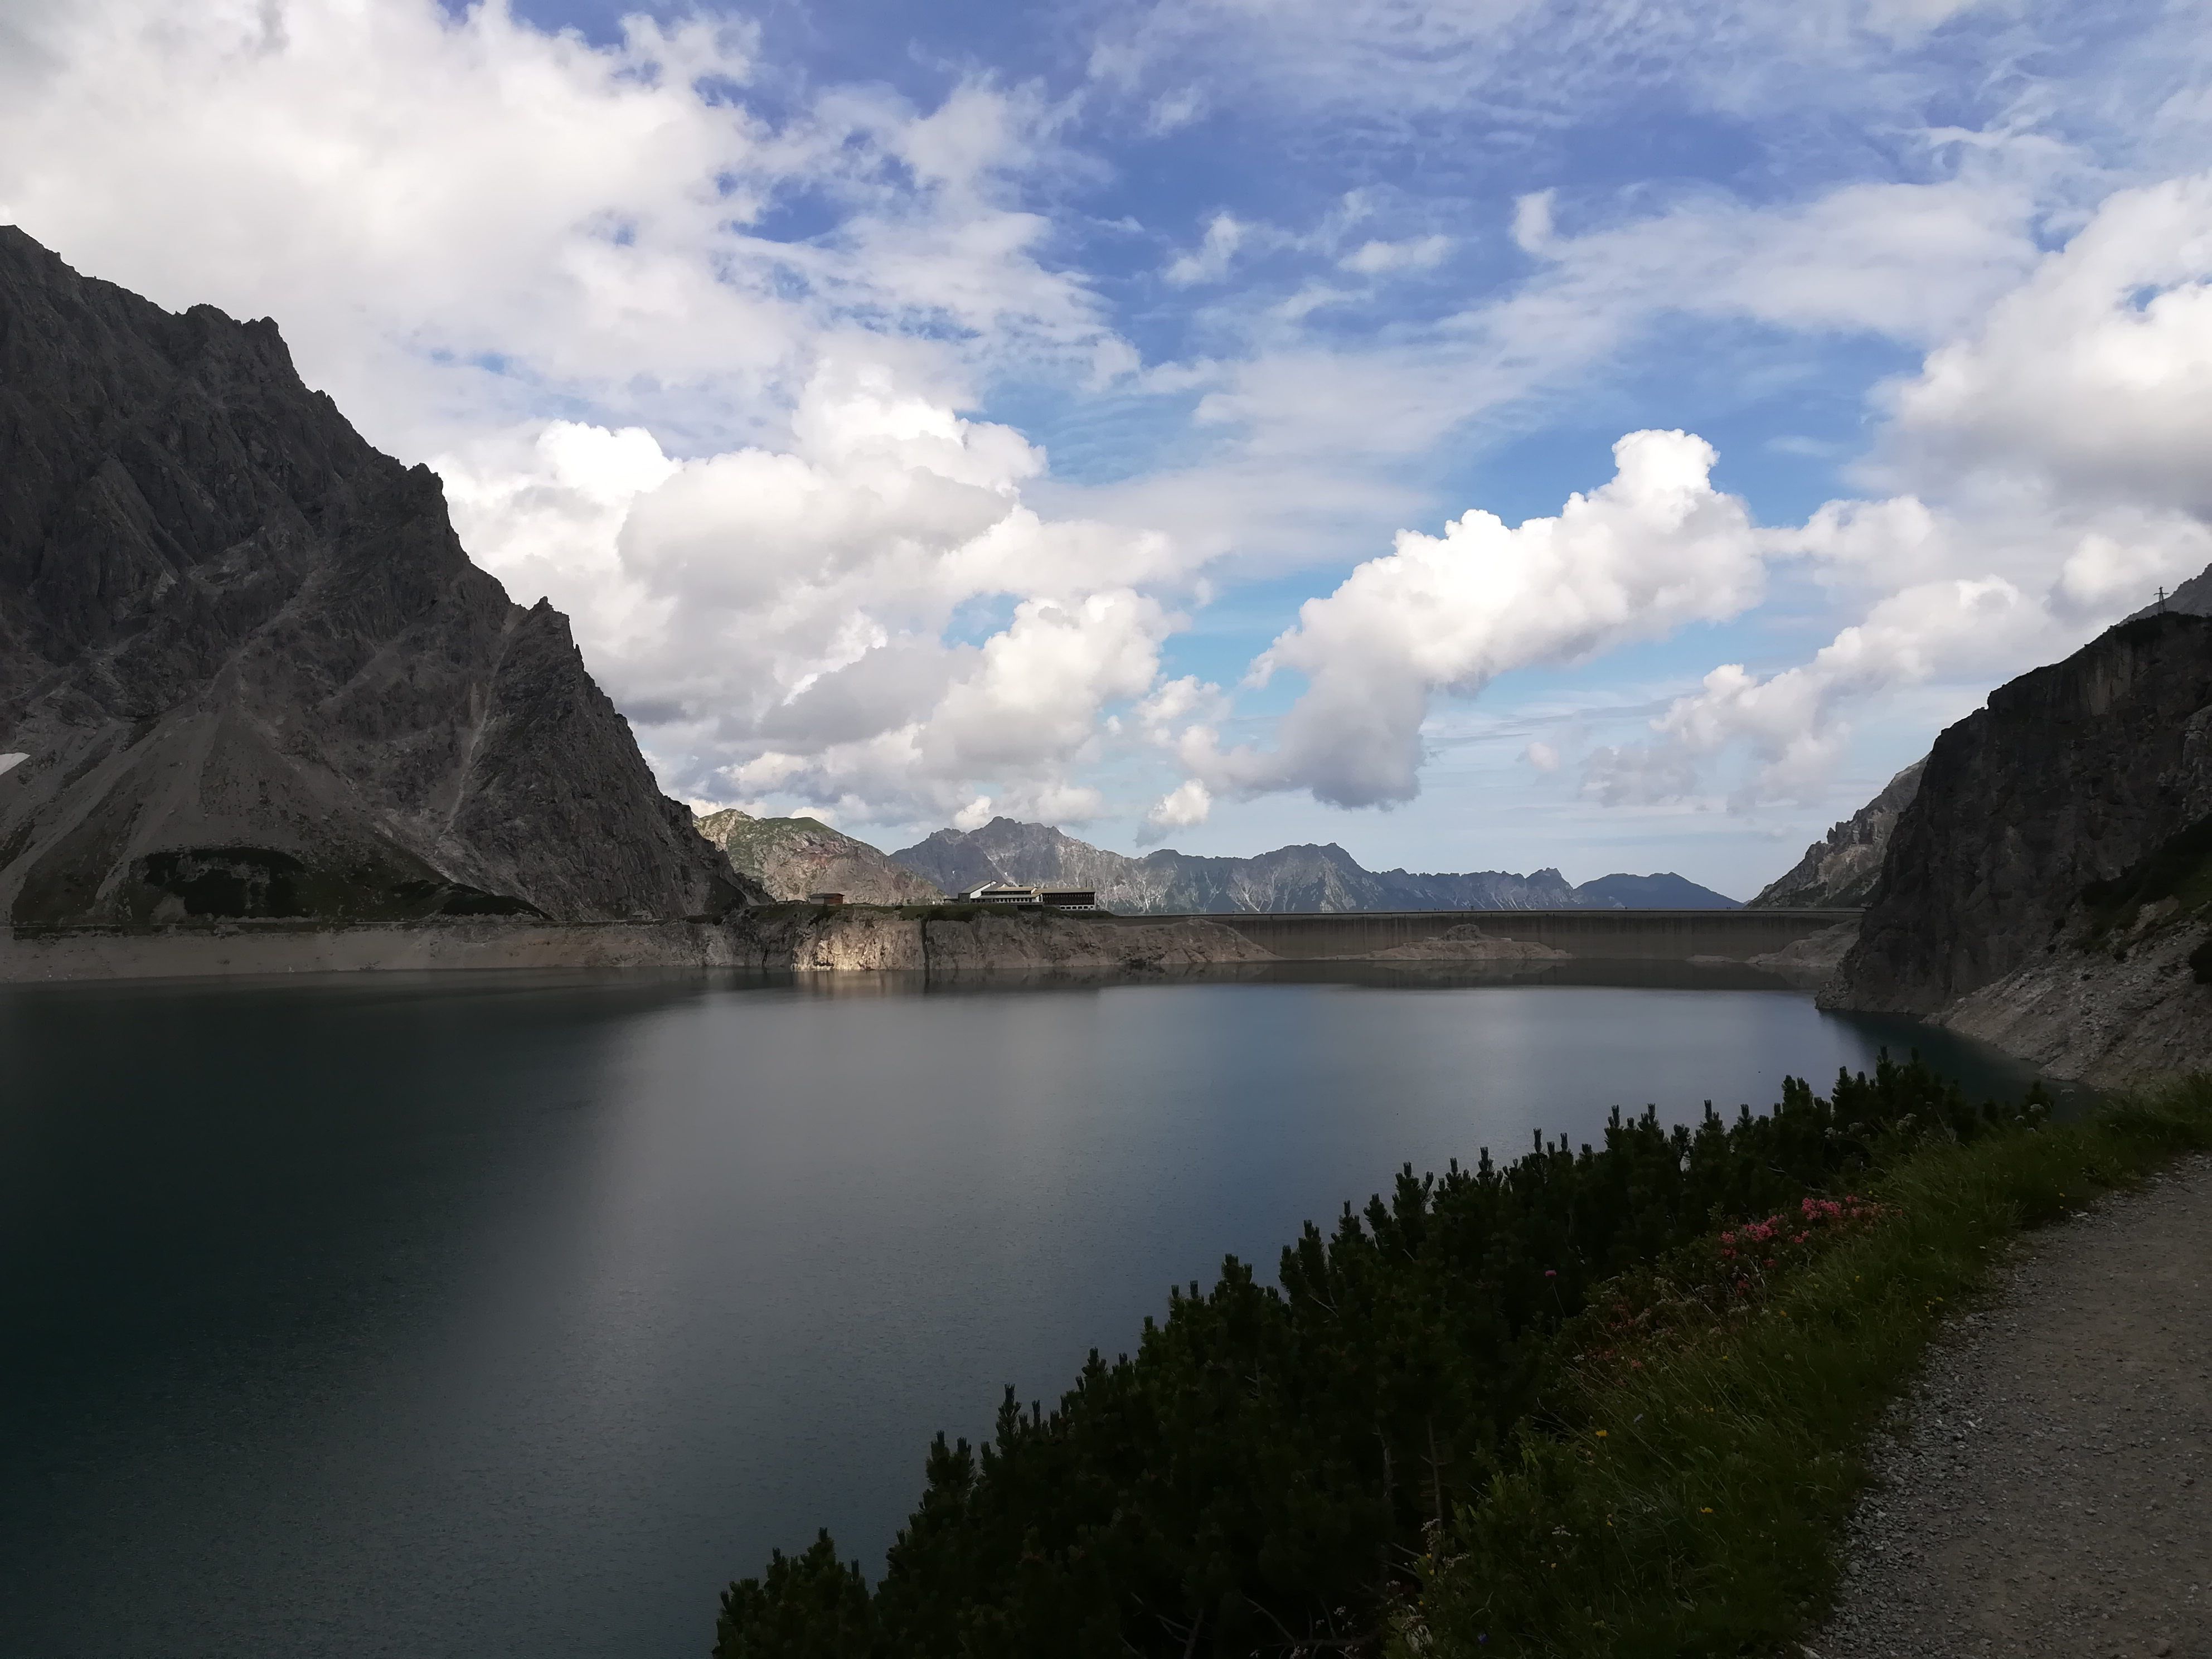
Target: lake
x=492 y=1314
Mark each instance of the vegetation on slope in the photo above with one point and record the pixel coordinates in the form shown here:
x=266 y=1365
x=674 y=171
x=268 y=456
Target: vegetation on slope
x=1685 y=1489
x=1596 y=1401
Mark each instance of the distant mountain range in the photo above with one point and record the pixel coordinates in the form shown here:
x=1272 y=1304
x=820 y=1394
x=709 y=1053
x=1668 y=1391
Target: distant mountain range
x=1305 y=878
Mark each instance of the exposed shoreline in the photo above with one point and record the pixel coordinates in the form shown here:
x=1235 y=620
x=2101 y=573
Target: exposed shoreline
x=2102 y=1035
x=2103 y=1018
x=933 y=939
x=799 y=937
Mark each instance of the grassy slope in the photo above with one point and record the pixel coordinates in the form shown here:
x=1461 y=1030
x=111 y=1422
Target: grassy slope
x=1688 y=1493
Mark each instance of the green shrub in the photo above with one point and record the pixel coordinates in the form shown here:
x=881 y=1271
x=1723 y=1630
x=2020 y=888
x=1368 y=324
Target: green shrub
x=808 y=1607
x=1691 y=1501
x=1274 y=1464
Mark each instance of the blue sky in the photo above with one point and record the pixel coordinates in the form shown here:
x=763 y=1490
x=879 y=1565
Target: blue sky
x=929 y=412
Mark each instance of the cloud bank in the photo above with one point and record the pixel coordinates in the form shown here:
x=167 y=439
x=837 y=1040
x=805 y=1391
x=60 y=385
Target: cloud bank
x=804 y=621
x=2058 y=449
x=743 y=367
x=458 y=216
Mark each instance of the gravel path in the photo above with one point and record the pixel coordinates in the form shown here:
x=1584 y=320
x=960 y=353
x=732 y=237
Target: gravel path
x=2052 y=1491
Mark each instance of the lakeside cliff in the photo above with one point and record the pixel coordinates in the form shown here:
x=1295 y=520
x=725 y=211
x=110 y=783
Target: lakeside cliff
x=251 y=671
x=2049 y=888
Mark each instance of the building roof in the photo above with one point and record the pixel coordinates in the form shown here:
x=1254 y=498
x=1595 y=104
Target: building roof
x=1007 y=892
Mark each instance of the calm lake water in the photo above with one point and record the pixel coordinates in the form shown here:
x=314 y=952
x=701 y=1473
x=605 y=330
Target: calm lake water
x=514 y=1313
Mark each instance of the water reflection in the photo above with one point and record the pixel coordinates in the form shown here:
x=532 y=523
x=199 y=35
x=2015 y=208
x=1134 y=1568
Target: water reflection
x=1703 y=975
x=502 y=1313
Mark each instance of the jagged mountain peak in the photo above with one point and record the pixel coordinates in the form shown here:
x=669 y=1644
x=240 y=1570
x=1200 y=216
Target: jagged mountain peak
x=253 y=670
x=1837 y=872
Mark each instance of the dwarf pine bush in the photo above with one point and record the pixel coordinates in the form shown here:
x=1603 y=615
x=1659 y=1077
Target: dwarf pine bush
x=1272 y=1468
x=1687 y=1487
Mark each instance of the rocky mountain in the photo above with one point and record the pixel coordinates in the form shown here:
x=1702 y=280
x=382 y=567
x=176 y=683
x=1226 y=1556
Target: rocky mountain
x=1839 y=871
x=2050 y=886
x=793 y=857
x=1664 y=891
x=250 y=669
x=1289 y=878
x=2193 y=598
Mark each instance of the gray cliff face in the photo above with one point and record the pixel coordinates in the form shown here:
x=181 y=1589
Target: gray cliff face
x=252 y=670
x=1289 y=878
x=2058 y=831
x=1838 y=874
x=793 y=857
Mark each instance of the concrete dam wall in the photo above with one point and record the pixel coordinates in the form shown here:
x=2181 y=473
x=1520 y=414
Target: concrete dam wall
x=952 y=939
x=1605 y=935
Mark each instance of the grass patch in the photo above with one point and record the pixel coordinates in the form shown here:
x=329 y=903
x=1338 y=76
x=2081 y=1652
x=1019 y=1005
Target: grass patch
x=1684 y=1490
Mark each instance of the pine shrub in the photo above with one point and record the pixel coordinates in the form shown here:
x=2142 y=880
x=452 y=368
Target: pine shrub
x=1273 y=1467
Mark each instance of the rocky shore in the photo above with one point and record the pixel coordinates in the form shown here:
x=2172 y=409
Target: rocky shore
x=1811 y=962
x=937 y=939
x=2099 y=1018
x=248 y=948
x=796 y=937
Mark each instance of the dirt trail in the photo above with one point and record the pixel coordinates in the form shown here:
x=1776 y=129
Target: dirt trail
x=2053 y=1493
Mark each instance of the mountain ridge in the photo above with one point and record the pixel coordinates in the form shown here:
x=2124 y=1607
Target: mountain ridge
x=795 y=856
x=1301 y=878
x=1839 y=870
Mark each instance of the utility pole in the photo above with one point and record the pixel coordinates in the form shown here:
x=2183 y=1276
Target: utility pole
x=2161 y=602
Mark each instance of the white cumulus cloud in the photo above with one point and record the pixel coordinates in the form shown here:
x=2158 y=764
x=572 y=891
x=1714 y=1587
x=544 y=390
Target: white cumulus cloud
x=1654 y=549
x=1414 y=253
x=457 y=215
x=787 y=621
x=2092 y=379
x=1790 y=719
x=1189 y=803
x=2058 y=451
x=1209 y=261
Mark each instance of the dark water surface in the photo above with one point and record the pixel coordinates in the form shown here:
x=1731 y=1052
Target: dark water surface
x=511 y=1314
